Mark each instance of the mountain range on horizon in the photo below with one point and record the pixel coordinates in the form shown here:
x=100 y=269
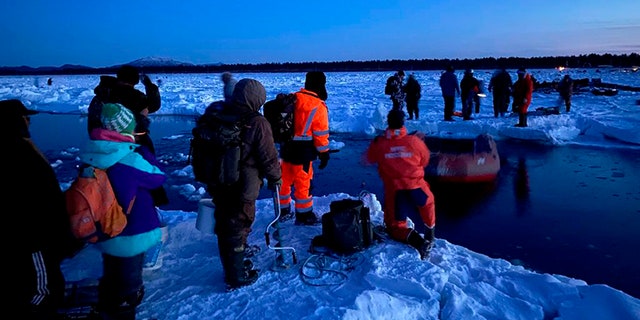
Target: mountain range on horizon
x=142 y=62
x=169 y=65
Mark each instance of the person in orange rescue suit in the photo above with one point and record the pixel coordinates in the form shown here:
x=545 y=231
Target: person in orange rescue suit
x=401 y=159
x=310 y=141
x=522 y=90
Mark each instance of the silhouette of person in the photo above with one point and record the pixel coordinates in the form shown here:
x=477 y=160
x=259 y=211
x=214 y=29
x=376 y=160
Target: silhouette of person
x=449 y=86
x=413 y=93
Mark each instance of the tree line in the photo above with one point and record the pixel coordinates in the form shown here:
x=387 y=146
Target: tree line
x=580 y=61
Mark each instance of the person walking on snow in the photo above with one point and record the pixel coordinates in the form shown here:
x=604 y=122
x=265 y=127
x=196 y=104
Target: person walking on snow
x=522 y=91
x=401 y=159
x=310 y=141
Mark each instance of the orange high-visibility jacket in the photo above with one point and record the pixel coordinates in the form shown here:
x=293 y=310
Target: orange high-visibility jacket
x=401 y=159
x=310 y=129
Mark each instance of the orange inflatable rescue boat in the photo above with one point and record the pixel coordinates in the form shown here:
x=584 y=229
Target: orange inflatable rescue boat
x=468 y=160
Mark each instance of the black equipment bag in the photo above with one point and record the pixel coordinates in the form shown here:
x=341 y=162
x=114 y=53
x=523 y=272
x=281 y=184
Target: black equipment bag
x=347 y=228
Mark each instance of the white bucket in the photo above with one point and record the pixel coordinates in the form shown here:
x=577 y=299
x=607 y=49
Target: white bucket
x=205 y=220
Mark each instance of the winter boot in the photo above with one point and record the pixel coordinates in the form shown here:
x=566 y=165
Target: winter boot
x=306 y=218
x=522 y=120
x=285 y=214
x=423 y=246
x=238 y=272
x=251 y=250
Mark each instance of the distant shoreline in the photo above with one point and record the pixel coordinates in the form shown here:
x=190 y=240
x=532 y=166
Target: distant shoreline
x=156 y=67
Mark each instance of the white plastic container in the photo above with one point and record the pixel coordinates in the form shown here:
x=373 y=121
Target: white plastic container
x=205 y=219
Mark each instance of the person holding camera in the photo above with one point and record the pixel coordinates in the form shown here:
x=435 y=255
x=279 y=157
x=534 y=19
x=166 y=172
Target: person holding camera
x=121 y=89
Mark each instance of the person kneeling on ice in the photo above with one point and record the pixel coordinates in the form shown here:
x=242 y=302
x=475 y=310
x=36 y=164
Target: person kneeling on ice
x=401 y=159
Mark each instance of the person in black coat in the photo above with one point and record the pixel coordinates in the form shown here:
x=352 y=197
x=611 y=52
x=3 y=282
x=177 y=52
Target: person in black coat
x=413 y=93
x=501 y=84
x=469 y=89
x=37 y=234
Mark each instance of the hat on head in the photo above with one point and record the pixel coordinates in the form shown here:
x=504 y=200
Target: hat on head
x=229 y=84
x=116 y=117
x=395 y=119
x=522 y=71
x=315 y=81
x=15 y=107
x=128 y=74
x=226 y=76
x=468 y=71
x=249 y=93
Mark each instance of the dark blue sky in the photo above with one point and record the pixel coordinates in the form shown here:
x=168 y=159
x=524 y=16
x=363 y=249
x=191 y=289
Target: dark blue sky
x=104 y=33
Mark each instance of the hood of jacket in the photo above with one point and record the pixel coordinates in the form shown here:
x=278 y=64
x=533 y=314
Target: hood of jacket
x=248 y=96
x=103 y=154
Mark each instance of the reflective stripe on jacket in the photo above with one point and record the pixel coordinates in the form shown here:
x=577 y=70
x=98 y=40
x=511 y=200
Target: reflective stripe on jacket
x=310 y=129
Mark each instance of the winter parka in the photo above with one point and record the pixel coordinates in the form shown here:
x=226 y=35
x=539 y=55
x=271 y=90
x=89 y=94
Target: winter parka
x=449 y=84
x=133 y=172
x=259 y=157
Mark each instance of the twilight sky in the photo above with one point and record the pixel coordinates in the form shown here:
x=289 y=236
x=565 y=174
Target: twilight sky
x=105 y=33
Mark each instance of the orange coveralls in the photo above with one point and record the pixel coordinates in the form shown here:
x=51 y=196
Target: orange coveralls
x=401 y=159
x=310 y=137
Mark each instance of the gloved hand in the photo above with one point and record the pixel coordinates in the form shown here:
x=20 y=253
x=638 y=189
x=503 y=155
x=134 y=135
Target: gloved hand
x=271 y=185
x=146 y=81
x=324 y=160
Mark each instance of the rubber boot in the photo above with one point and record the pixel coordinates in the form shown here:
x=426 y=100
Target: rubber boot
x=417 y=241
x=522 y=120
x=238 y=272
x=285 y=214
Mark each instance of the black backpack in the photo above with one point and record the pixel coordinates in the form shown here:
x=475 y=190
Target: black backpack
x=389 y=88
x=279 y=113
x=347 y=227
x=216 y=147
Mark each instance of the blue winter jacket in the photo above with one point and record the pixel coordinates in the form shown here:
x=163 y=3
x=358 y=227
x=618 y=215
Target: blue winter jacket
x=133 y=172
x=449 y=84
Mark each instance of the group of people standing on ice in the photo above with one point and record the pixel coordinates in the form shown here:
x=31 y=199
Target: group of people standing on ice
x=470 y=89
x=500 y=84
x=120 y=143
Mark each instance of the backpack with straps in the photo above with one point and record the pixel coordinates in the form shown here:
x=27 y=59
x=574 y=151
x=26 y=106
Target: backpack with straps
x=216 y=148
x=389 y=88
x=279 y=113
x=94 y=213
